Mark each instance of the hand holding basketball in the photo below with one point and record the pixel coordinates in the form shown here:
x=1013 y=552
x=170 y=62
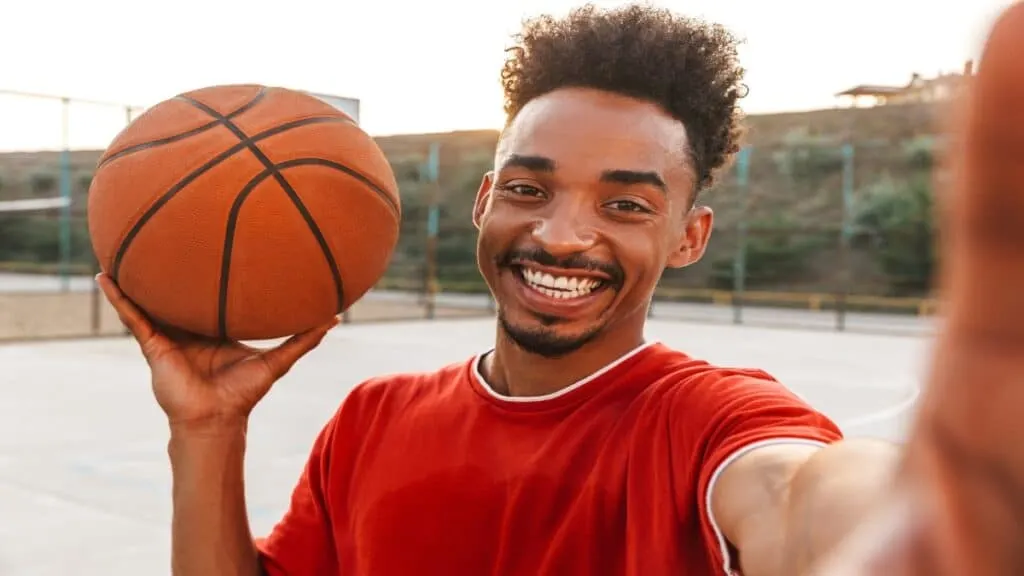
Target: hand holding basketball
x=205 y=384
x=961 y=504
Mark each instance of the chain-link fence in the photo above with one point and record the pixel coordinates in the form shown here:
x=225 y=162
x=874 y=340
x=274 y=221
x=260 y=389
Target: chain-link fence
x=808 y=233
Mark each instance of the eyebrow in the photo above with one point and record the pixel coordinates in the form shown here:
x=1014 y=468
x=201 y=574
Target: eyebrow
x=627 y=177
x=534 y=163
x=634 y=177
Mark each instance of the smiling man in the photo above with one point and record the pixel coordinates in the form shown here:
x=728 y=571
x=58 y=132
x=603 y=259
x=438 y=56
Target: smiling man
x=574 y=445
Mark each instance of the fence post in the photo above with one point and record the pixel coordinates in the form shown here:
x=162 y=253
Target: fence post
x=846 y=234
x=65 y=194
x=96 y=304
x=429 y=173
x=739 y=263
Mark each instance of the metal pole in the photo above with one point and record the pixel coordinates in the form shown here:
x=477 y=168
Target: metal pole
x=41 y=95
x=845 y=235
x=430 y=173
x=739 y=263
x=65 y=194
x=95 y=310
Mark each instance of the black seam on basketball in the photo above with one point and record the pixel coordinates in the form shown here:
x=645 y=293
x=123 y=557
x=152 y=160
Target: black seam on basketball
x=177 y=137
x=229 y=243
x=236 y=209
x=296 y=200
x=191 y=176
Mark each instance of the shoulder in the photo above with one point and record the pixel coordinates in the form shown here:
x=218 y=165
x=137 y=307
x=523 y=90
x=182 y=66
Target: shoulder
x=699 y=383
x=379 y=395
x=709 y=401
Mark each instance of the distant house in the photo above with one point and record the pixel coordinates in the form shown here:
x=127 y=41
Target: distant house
x=918 y=90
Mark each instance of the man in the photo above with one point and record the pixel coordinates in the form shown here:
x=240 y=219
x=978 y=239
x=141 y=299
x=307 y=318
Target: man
x=574 y=446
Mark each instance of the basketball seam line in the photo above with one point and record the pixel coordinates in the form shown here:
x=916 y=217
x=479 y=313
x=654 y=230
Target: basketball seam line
x=177 y=137
x=192 y=176
x=236 y=207
x=296 y=201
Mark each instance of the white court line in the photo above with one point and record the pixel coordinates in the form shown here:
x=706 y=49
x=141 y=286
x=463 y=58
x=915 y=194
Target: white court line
x=887 y=413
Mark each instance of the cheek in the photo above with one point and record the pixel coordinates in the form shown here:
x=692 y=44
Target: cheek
x=500 y=227
x=642 y=253
x=494 y=237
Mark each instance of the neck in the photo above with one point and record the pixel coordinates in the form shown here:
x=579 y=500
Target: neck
x=512 y=371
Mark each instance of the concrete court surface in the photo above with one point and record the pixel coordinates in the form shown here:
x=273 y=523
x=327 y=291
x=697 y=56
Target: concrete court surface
x=84 y=479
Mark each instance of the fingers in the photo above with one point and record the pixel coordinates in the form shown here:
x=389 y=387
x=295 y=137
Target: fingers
x=983 y=218
x=280 y=360
x=133 y=318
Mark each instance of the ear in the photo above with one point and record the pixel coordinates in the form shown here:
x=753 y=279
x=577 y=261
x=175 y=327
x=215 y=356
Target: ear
x=483 y=197
x=694 y=240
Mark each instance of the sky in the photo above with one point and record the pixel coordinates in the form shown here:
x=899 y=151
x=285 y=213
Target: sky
x=425 y=66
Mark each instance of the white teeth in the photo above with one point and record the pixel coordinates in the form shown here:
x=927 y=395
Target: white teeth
x=561 y=287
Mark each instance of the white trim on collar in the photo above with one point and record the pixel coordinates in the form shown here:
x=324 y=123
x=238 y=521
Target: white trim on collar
x=543 y=398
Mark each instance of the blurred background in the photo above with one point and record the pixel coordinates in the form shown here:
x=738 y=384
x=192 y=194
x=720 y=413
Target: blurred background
x=823 y=220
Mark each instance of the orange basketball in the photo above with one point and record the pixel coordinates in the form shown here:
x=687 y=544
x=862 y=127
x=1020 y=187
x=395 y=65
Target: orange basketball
x=243 y=212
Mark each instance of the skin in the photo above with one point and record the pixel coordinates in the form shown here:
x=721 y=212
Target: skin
x=208 y=391
x=585 y=182
x=958 y=507
x=948 y=503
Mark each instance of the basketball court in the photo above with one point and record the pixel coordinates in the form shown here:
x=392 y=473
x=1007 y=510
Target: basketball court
x=84 y=478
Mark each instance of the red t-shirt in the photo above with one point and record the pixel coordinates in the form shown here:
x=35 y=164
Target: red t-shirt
x=436 y=474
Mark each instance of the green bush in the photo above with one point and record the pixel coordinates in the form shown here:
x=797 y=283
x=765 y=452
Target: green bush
x=896 y=223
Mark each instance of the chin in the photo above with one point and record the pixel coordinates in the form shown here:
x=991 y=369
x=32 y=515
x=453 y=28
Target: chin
x=553 y=312
x=546 y=337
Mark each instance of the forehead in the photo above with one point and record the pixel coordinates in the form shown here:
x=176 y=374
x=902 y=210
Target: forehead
x=589 y=130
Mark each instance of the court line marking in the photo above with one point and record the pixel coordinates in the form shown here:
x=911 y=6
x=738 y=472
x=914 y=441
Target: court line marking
x=888 y=413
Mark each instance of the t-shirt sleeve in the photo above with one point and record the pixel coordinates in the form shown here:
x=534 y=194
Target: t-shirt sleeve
x=746 y=410
x=301 y=543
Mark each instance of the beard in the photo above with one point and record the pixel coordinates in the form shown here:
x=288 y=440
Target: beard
x=544 y=340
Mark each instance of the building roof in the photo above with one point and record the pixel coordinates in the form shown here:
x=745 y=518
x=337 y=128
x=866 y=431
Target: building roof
x=872 y=90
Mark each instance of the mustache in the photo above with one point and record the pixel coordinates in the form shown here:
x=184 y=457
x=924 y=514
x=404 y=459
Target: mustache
x=573 y=262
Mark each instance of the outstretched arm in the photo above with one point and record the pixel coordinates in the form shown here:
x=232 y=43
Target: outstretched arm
x=784 y=507
x=956 y=506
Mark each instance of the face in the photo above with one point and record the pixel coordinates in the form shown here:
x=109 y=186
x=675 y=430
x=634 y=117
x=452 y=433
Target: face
x=590 y=200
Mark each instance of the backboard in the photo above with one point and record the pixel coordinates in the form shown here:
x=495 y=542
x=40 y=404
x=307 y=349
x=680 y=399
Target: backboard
x=349 y=106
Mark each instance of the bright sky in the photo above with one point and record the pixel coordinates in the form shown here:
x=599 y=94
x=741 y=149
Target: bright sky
x=426 y=66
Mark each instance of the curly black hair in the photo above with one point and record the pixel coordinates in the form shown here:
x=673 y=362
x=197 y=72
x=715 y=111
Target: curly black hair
x=687 y=66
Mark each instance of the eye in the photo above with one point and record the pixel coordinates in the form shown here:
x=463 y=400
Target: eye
x=628 y=206
x=521 y=190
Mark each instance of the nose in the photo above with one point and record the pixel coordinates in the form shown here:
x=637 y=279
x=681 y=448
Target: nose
x=564 y=230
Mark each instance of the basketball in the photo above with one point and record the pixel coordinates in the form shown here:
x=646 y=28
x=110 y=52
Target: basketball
x=243 y=212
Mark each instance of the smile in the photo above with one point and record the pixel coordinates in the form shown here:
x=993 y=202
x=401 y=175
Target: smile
x=559 y=287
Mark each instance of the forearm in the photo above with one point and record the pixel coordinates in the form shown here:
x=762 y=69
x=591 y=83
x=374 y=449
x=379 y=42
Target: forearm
x=210 y=526
x=832 y=493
